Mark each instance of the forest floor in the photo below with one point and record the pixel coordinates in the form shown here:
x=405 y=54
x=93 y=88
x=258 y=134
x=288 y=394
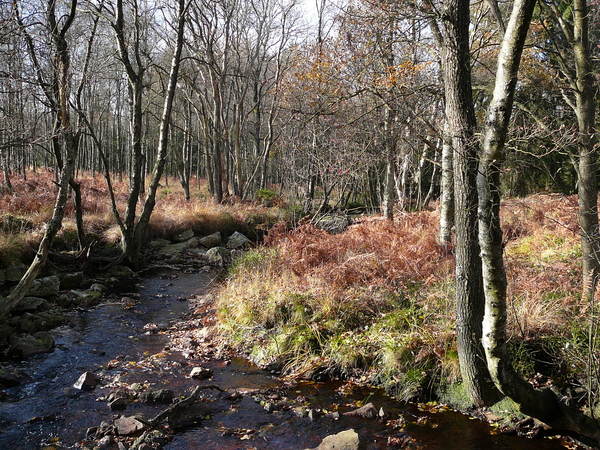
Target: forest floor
x=373 y=304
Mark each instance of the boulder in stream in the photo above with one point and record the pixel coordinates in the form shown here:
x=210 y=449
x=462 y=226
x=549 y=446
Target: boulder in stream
x=71 y=280
x=86 y=382
x=210 y=241
x=157 y=396
x=366 y=412
x=128 y=426
x=237 y=240
x=85 y=298
x=30 y=304
x=190 y=416
x=345 y=440
x=218 y=255
x=201 y=373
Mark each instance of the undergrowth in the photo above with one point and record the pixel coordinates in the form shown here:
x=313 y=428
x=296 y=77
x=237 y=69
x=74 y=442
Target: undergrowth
x=376 y=303
x=27 y=208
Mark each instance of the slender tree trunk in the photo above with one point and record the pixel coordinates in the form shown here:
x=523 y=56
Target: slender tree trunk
x=587 y=182
x=58 y=97
x=541 y=404
x=390 y=156
x=447 y=191
x=462 y=124
x=161 y=157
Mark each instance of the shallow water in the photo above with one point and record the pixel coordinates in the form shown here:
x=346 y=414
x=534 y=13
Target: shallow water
x=118 y=341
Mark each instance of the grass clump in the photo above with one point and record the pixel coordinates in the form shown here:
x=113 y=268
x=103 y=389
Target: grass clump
x=28 y=207
x=310 y=306
x=376 y=302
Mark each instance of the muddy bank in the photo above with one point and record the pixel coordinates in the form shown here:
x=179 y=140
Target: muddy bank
x=149 y=341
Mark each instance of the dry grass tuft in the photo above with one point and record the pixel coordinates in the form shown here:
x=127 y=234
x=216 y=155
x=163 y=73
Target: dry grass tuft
x=377 y=301
x=25 y=210
x=374 y=252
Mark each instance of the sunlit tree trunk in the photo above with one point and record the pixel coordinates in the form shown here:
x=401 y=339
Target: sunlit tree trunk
x=541 y=404
x=58 y=96
x=462 y=124
x=161 y=158
x=587 y=182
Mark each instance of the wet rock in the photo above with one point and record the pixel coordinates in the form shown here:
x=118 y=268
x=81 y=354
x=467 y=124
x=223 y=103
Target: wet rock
x=118 y=404
x=382 y=413
x=21 y=323
x=158 y=396
x=27 y=346
x=86 y=382
x=313 y=414
x=44 y=287
x=128 y=426
x=48 y=320
x=98 y=287
x=182 y=237
x=64 y=300
x=345 y=440
x=136 y=387
x=190 y=416
x=30 y=304
x=105 y=429
x=212 y=240
x=192 y=242
x=237 y=240
x=118 y=399
x=120 y=271
x=201 y=373
x=151 y=440
x=366 y=412
x=218 y=255
x=105 y=442
x=85 y=298
x=71 y=280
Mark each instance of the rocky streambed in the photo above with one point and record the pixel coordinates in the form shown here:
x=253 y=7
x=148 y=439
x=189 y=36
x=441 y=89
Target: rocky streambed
x=139 y=370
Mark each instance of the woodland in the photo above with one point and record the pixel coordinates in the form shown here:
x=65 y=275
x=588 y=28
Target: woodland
x=452 y=113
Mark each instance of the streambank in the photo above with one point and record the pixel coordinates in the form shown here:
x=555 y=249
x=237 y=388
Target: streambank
x=142 y=348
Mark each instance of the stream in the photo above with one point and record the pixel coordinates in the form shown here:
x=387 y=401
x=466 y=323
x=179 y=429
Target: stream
x=125 y=343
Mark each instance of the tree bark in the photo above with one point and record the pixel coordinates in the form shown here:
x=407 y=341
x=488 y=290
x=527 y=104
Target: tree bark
x=59 y=99
x=157 y=171
x=462 y=124
x=587 y=183
x=541 y=404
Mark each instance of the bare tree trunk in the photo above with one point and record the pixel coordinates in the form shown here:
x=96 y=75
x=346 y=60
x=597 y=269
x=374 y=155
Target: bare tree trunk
x=59 y=98
x=587 y=183
x=142 y=224
x=390 y=155
x=447 y=191
x=541 y=404
x=462 y=124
